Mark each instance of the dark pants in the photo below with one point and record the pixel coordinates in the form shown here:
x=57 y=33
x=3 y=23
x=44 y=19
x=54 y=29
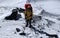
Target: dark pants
x=28 y=22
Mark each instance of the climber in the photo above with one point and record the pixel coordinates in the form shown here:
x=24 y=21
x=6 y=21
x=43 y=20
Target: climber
x=28 y=14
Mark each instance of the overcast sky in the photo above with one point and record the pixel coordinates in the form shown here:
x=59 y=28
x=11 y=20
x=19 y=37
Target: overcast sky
x=33 y=0
x=50 y=0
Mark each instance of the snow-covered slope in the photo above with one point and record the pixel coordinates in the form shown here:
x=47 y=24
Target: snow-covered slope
x=50 y=6
x=49 y=10
x=6 y=6
x=12 y=3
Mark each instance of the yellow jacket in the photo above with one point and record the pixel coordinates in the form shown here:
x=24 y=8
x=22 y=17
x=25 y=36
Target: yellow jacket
x=28 y=15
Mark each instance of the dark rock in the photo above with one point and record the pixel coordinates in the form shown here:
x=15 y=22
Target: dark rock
x=53 y=36
x=22 y=33
x=41 y=37
x=14 y=32
x=49 y=22
x=45 y=13
x=58 y=19
x=0 y=26
x=14 y=15
x=36 y=18
x=40 y=17
x=49 y=35
x=18 y=16
x=17 y=29
x=21 y=10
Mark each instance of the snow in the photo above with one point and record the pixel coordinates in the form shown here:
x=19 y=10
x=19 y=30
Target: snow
x=8 y=27
x=49 y=6
x=10 y=3
x=52 y=7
